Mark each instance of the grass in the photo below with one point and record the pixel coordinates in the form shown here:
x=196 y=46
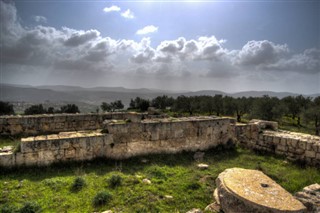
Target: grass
x=9 y=141
x=174 y=175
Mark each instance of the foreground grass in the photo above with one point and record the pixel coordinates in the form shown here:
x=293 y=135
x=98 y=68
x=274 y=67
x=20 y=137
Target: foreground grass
x=52 y=188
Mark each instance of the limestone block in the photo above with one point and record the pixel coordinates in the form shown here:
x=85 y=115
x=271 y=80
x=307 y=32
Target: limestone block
x=70 y=153
x=302 y=144
x=178 y=133
x=6 y=159
x=309 y=146
x=310 y=197
x=19 y=159
x=318 y=156
x=282 y=148
x=13 y=120
x=310 y=154
x=45 y=157
x=276 y=140
x=283 y=141
x=244 y=190
x=30 y=158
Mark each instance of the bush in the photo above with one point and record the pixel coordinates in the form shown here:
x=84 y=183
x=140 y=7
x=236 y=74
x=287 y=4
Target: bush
x=8 y=209
x=6 y=108
x=102 y=198
x=78 y=184
x=35 y=109
x=69 y=108
x=30 y=207
x=115 y=181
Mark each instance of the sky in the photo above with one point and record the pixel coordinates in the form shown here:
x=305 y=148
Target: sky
x=172 y=45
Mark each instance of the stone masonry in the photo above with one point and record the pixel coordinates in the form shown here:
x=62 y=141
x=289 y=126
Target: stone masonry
x=121 y=140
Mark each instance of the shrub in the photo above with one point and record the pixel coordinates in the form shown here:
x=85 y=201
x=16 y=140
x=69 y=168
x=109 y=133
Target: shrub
x=30 y=207
x=102 y=198
x=8 y=209
x=193 y=186
x=78 y=184
x=6 y=108
x=115 y=181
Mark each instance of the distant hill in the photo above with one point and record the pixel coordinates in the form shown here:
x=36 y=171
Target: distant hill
x=94 y=96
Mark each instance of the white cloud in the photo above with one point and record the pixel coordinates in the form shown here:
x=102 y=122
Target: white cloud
x=128 y=14
x=147 y=29
x=71 y=51
x=40 y=19
x=113 y=8
x=265 y=52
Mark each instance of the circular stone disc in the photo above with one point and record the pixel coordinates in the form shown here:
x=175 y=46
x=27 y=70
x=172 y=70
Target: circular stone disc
x=255 y=187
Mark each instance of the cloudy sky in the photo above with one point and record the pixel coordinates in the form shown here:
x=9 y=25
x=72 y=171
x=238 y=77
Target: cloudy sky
x=183 y=45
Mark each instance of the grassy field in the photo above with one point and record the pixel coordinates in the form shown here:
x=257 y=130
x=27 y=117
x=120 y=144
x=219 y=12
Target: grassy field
x=58 y=188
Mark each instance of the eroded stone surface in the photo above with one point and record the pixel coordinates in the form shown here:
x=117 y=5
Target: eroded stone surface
x=243 y=190
x=310 y=197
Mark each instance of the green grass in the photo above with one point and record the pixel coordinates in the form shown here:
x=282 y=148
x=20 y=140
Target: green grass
x=175 y=175
x=8 y=141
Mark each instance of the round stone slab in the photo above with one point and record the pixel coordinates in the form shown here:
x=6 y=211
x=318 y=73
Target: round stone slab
x=254 y=191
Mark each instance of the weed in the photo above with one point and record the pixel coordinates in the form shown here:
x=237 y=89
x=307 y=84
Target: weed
x=30 y=207
x=102 y=198
x=115 y=181
x=78 y=184
x=8 y=209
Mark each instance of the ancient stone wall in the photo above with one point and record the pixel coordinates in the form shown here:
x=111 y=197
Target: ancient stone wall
x=295 y=146
x=46 y=124
x=123 y=140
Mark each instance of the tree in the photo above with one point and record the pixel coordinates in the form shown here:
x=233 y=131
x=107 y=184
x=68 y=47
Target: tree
x=186 y=104
x=218 y=104
x=35 y=109
x=6 y=108
x=162 y=102
x=105 y=107
x=139 y=104
x=116 y=105
x=267 y=108
x=229 y=105
x=295 y=106
x=69 y=108
x=242 y=106
x=313 y=114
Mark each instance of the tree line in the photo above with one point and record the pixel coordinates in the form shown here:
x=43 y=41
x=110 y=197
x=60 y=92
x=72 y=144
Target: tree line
x=266 y=108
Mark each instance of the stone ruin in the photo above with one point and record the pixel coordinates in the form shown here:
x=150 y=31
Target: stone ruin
x=64 y=137
x=58 y=138
x=245 y=190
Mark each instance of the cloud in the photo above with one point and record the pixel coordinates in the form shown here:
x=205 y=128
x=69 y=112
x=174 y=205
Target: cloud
x=307 y=62
x=261 y=53
x=113 y=8
x=147 y=29
x=40 y=19
x=127 y=14
x=81 y=37
x=65 y=53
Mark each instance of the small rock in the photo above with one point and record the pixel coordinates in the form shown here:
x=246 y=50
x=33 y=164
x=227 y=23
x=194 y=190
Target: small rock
x=146 y=181
x=203 y=166
x=213 y=207
x=108 y=211
x=198 y=156
x=310 y=197
x=168 y=196
x=144 y=160
x=194 y=210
